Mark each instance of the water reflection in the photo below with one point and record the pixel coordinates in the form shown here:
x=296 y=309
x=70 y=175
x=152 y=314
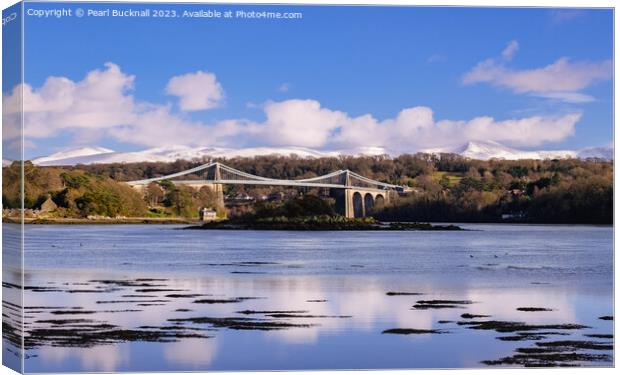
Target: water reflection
x=103 y=318
x=352 y=308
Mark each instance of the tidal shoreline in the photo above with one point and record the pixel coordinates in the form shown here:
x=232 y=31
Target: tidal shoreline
x=85 y=221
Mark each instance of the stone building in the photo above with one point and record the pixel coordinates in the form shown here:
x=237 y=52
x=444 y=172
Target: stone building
x=48 y=205
x=207 y=214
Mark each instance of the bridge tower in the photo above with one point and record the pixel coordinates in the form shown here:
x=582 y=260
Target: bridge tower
x=356 y=201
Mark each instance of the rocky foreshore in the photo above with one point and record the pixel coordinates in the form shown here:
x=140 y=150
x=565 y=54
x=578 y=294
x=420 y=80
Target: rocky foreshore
x=321 y=223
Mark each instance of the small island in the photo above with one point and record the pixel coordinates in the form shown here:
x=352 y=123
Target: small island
x=310 y=213
x=321 y=223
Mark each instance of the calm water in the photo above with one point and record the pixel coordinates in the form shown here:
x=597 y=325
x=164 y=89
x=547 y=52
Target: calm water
x=321 y=294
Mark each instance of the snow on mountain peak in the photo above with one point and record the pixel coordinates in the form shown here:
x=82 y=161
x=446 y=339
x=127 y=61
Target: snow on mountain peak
x=482 y=150
x=72 y=153
x=485 y=150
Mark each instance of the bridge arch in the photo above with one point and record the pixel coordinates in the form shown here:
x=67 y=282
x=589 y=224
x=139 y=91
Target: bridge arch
x=358 y=205
x=379 y=201
x=369 y=203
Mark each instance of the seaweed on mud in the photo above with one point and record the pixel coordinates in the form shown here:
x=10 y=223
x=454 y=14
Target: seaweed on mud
x=6 y=284
x=185 y=295
x=412 y=331
x=250 y=312
x=440 y=304
x=72 y=312
x=536 y=350
x=533 y=309
x=237 y=323
x=527 y=337
x=427 y=307
x=133 y=301
x=182 y=310
x=138 y=296
x=12 y=333
x=502 y=326
x=606 y=317
x=445 y=302
x=556 y=353
x=51 y=307
x=600 y=335
x=316 y=300
x=284 y=315
x=110 y=290
x=403 y=294
x=153 y=290
x=127 y=283
x=63 y=321
x=11 y=306
x=248 y=272
x=175 y=328
x=88 y=337
x=224 y=300
x=472 y=316
x=569 y=345
x=549 y=359
x=41 y=289
x=445 y=321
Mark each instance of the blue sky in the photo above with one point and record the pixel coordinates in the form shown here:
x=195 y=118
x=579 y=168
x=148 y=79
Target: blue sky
x=403 y=79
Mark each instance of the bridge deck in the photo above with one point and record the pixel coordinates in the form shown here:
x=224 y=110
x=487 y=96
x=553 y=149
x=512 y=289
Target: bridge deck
x=263 y=182
x=215 y=171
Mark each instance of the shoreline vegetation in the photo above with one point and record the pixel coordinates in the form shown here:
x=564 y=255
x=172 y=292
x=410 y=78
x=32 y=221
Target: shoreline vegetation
x=101 y=220
x=444 y=188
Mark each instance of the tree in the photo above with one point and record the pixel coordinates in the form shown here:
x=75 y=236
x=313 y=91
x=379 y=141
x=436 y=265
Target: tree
x=153 y=194
x=182 y=202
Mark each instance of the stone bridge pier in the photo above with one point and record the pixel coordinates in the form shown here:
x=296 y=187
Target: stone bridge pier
x=360 y=203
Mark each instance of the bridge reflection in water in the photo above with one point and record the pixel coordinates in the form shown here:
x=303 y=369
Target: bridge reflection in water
x=355 y=194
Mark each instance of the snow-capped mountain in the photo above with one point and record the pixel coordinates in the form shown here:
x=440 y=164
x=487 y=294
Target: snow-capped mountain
x=474 y=150
x=168 y=154
x=485 y=150
x=76 y=153
x=597 y=152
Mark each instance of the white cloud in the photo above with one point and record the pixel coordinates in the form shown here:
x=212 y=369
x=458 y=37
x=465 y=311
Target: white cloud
x=561 y=80
x=560 y=16
x=99 y=101
x=306 y=123
x=511 y=49
x=298 y=122
x=102 y=106
x=284 y=87
x=415 y=129
x=568 y=97
x=196 y=91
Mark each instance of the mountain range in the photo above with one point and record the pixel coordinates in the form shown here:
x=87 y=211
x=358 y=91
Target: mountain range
x=485 y=150
x=482 y=150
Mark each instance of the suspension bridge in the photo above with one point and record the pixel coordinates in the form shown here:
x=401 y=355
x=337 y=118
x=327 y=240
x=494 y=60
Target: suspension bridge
x=356 y=194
